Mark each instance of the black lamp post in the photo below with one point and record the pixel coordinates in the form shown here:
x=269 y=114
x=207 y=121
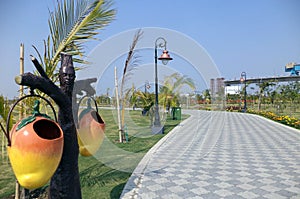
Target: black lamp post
x=243 y=79
x=165 y=57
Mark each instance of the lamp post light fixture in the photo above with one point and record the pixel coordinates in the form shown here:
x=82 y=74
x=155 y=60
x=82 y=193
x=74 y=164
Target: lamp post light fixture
x=165 y=58
x=243 y=79
x=147 y=86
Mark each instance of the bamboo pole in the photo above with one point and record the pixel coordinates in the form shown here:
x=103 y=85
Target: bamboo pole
x=17 y=191
x=123 y=117
x=118 y=106
x=21 y=72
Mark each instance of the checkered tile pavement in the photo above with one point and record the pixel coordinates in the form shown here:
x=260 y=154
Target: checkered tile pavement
x=221 y=155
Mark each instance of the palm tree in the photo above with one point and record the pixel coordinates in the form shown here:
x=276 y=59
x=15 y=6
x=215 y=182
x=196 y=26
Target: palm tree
x=264 y=86
x=169 y=93
x=146 y=99
x=207 y=96
x=71 y=24
x=130 y=64
x=133 y=98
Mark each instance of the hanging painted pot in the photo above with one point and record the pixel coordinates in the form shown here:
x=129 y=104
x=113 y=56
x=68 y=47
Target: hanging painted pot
x=35 y=149
x=90 y=131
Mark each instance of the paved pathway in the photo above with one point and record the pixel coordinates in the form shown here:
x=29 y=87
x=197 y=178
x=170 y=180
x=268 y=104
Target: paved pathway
x=221 y=155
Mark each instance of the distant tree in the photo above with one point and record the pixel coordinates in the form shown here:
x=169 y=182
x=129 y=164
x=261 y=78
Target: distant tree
x=146 y=100
x=2 y=107
x=199 y=98
x=4 y=110
x=263 y=87
x=170 y=91
x=207 y=96
x=133 y=96
x=290 y=92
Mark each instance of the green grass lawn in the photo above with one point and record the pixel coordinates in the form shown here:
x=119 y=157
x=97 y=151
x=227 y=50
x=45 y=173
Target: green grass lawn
x=105 y=174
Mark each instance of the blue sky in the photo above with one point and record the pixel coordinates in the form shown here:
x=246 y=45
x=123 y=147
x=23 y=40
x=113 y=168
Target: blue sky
x=257 y=36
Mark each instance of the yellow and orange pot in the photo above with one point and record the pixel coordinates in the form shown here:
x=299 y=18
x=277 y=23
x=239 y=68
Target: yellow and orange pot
x=35 y=149
x=90 y=131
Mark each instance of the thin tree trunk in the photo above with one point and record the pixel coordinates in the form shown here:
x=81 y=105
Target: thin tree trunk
x=118 y=106
x=259 y=102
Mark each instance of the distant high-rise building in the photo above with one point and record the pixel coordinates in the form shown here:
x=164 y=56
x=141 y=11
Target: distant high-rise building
x=220 y=86
x=212 y=87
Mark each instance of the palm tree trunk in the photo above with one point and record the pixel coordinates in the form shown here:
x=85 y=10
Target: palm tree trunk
x=259 y=102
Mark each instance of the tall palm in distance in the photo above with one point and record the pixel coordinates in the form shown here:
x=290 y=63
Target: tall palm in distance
x=170 y=91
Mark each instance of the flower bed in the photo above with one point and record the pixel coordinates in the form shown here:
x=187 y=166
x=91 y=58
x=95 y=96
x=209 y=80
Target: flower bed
x=284 y=119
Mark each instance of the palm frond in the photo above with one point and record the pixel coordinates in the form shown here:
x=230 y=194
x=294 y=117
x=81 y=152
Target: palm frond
x=131 y=59
x=181 y=81
x=74 y=22
x=172 y=87
x=71 y=24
